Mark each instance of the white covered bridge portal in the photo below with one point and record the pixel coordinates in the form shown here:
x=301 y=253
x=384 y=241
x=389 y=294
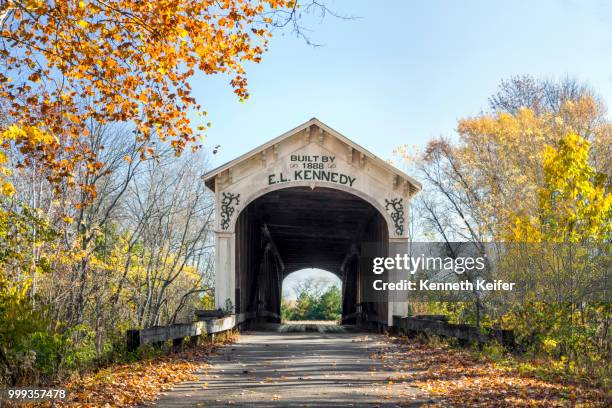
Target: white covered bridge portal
x=309 y=198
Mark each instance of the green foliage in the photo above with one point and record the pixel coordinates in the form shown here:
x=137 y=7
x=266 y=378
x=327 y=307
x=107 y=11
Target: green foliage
x=20 y=331
x=37 y=343
x=21 y=228
x=494 y=351
x=330 y=304
x=314 y=304
x=207 y=301
x=457 y=312
x=27 y=348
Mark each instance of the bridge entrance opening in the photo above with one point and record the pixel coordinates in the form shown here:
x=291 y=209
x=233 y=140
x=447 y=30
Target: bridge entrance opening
x=294 y=228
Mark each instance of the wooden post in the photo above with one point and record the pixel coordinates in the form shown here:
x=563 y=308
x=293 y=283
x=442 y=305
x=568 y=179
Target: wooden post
x=133 y=340
x=193 y=341
x=177 y=344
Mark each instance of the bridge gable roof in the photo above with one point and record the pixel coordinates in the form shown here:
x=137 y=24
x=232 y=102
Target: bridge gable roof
x=323 y=131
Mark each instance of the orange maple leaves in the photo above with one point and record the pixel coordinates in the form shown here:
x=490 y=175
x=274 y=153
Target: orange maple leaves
x=125 y=385
x=70 y=63
x=455 y=378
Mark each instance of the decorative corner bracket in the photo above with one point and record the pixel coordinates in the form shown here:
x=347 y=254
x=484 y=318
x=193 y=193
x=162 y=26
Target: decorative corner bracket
x=228 y=204
x=396 y=211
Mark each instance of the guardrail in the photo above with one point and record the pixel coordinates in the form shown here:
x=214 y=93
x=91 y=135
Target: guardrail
x=178 y=332
x=438 y=325
x=208 y=322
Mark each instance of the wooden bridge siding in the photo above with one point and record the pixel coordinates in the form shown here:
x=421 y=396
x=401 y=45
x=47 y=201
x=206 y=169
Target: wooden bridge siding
x=258 y=269
x=270 y=280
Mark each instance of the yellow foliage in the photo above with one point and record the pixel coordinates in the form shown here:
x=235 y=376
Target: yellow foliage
x=549 y=344
x=573 y=203
x=7 y=189
x=507 y=155
x=31 y=136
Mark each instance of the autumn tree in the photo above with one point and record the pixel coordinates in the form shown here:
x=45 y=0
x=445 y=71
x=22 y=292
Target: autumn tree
x=22 y=327
x=174 y=211
x=104 y=226
x=535 y=169
x=66 y=64
x=140 y=253
x=525 y=91
x=563 y=254
x=573 y=203
x=496 y=167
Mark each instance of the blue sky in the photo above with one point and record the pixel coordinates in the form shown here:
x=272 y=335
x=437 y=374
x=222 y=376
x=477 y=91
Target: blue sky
x=406 y=71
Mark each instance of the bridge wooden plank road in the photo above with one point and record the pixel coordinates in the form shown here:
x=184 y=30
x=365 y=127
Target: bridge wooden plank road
x=317 y=368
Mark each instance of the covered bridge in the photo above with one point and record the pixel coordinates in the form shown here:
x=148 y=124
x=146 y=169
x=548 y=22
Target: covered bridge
x=310 y=198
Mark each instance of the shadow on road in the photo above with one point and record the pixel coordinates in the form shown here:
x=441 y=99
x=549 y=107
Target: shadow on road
x=297 y=364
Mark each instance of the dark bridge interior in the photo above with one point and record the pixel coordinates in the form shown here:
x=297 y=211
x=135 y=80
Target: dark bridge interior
x=299 y=227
